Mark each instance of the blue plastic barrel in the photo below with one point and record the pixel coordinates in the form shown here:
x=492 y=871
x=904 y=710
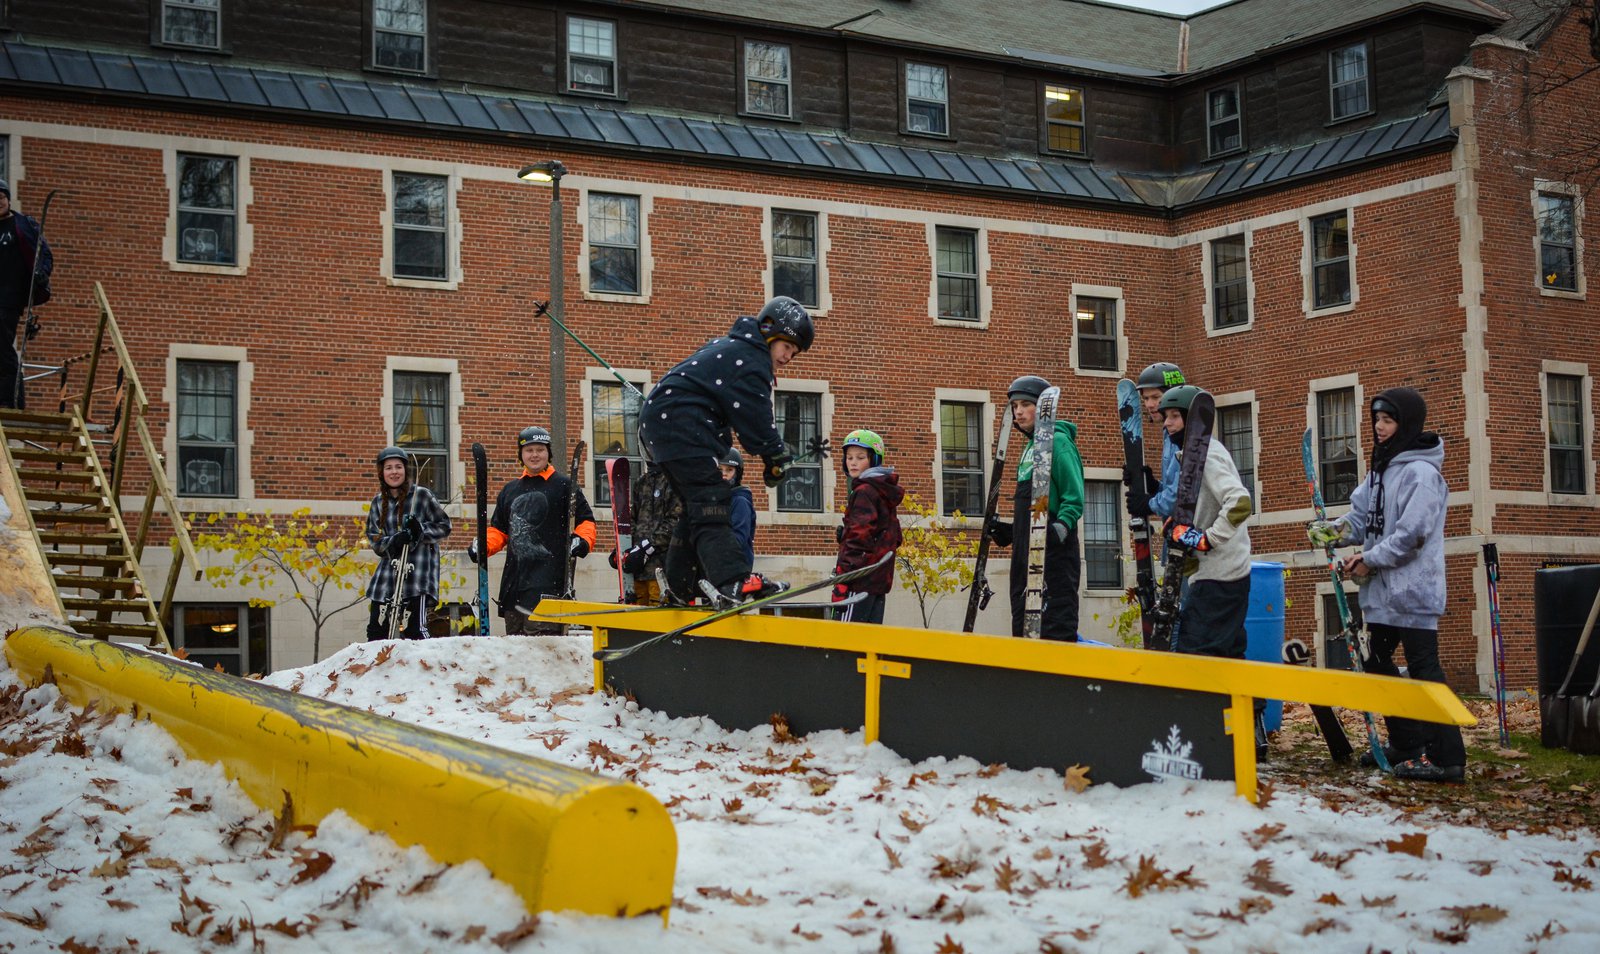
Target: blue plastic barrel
x=1263 y=625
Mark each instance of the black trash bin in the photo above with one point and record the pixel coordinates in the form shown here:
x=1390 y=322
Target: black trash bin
x=1561 y=600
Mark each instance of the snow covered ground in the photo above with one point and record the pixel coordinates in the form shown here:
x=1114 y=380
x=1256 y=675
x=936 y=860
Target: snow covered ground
x=109 y=841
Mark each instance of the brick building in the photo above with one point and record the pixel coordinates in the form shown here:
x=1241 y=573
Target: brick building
x=309 y=220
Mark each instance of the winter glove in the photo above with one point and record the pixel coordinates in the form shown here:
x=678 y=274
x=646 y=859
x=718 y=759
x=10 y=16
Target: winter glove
x=579 y=547
x=1323 y=533
x=1058 y=531
x=838 y=534
x=1138 y=502
x=998 y=531
x=611 y=558
x=472 y=552
x=413 y=529
x=389 y=546
x=773 y=468
x=1192 y=538
x=634 y=558
x=841 y=592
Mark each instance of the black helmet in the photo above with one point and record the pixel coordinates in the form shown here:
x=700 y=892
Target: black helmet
x=735 y=460
x=393 y=453
x=532 y=435
x=786 y=319
x=1028 y=388
x=1181 y=397
x=1162 y=374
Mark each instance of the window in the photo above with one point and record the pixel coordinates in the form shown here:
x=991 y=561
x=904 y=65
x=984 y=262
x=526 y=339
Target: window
x=207 y=214
x=1335 y=653
x=614 y=243
x=1330 y=260
x=798 y=415
x=961 y=457
x=927 y=99
x=1230 y=294
x=420 y=402
x=1102 y=534
x=420 y=216
x=591 y=56
x=1565 y=395
x=1097 y=333
x=794 y=256
x=1347 y=81
x=766 y=78
x=1557 y=242
x=615 y=433
x=1337 y=445
x=400 y=34
x=1063 y=119
x=956 y=259
x=1236 y=430
x=1224 y=131
x=192 y=23
x=208 y=429
x=231 y=635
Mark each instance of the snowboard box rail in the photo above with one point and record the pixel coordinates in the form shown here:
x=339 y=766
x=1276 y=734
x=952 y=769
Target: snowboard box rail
x=1130 y=715
x=562 y=838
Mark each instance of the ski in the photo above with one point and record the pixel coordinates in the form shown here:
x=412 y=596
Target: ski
x=1144 y=587
x=612 y=655
x=569 y=564
x=30 y=321
x=1339 y=747
x=1352 y=639
x=980 y=593
x=1044 y=429
x=617 y=470
x=1197 y=428
x=480 y=470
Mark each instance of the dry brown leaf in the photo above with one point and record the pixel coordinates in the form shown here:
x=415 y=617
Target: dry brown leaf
x=130 y=844
x=1334 y=861
x=949 y=946
x=1414 y=844
x=1095 y=855
x=957 y=868
x=808 y=935
x=71 y=744
x=991 y=770
x=383 y=655
x=912 y=825
x=1386 y=901
x=780 y=728
x=987 y=806
x=562 y=696
x=731 y=805
x=1005 y=876
x=1260 y=878
x=1331 y=899
x=37 y=921
x=282 y=824
x=1572 y=879
x=313 y=864
x=396 y=698
x=1076 y=778
x=1480 y=868
x=894 y=859
x=1264 y=793
x=886 y=943
x=110 y=868
x=598 y=749
x=1264 y=835
x=1320 y=925
x=1477 y=914
x=120 y=904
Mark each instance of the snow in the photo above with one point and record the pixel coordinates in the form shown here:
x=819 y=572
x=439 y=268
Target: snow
x=819 y=844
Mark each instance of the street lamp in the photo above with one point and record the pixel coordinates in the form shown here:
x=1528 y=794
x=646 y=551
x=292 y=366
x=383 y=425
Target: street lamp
x=551 y=171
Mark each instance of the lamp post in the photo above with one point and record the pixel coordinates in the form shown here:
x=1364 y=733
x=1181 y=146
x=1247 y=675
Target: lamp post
x=551 y=171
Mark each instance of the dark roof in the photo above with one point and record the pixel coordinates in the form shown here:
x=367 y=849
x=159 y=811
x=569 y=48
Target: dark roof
x=175 y=83
x=1237 y=30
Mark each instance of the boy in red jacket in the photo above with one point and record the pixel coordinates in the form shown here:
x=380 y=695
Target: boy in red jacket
x=871 y=526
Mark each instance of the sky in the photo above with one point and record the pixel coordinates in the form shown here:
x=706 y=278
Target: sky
x=1171 y=6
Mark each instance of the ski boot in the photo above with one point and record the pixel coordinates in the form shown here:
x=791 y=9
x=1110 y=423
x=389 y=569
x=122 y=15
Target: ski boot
x=669 y=596
x=753 y=587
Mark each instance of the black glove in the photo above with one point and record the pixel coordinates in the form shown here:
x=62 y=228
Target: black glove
x=1058 y=531
x=774 y=468
x=634 y=558
x=390 y=545
x=838 y=534
x=472 y=552
x=579 y=547
x=1138 y=502
x=611 y=558
x=998 y=531
x=413 y=529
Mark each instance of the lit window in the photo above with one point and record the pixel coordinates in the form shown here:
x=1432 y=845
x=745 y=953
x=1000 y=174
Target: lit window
x=961 y=457
x=234 y=636
x=1096 y=321
x=1063 y=117
x=421 y=426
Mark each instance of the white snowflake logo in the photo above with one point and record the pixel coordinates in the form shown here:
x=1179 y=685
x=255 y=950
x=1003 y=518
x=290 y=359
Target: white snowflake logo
x=1170 y=759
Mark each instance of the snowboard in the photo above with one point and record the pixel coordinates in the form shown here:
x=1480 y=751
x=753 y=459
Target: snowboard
x=1044 y=429
x=569 y=560
x=480 y=468
x=1131 y=415
x=980 y=592
x=1197 y=428
x=617 y=471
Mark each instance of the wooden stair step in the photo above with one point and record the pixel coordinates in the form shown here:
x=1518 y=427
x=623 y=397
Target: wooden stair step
x=70 y=516
x=90 y=627
x=82 y=582
x=10 y=414
x=139 y=605
x=26 y=474
x=33 y=432
x=39 y=454
x=79 y=537
x=62 y=496
x=63 y=558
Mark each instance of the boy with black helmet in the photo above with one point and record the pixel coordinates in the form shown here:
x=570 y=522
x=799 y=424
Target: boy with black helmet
x=871 y=526
x=1397 y=517
x=1145 y=496
x=403 y=515
x=742 y=506
x=689 y=421
x=1063 y=563
x=656 y=509
x=530 y=524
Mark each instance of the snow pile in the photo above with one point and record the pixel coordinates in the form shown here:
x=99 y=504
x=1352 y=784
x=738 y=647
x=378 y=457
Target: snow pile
x=817 y=844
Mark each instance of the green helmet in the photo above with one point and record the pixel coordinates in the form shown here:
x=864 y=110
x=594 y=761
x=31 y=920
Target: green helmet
x=1162 y=374
x=868 y=440
x=1181 y=397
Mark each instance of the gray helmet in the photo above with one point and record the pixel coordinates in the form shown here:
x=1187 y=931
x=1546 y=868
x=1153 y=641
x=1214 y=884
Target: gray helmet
x=532 y=435
x=1181 y=397
x=786 y=319
x=1028 y=388
x=1162 y=374
x=388 y=453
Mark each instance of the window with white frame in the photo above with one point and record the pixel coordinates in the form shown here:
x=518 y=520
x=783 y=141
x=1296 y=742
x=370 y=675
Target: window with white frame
x=1338 y=444
x=1330 y=260
x=208 y=428
x=1349 y=93
x=591 y=55
x=798 y=415
x=400 y=35
x=956 y=261
x=195 y=23
x=927 y=99
x=614 y=433
x=961 y=458
x=1065 y=129
x=1565 y=406
x=421 y=226
x=422 y=426
x=1558 y=246
x=766 y=79
x=1236 y=429
x=1096 y=321
x=613 y=243
x=1230 y=291
x=235 y=636
x=794 y=256
x=1224 y=126
x=1102 y=534
x=208 y=209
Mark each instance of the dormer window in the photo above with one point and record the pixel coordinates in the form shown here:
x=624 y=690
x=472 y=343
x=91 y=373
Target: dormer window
x=927 y=99
x=1348 y=77
x=1224 y=129
x=1063 y=118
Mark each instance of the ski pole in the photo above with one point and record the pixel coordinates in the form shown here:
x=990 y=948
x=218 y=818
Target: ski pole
x=30 y=322
x=1491 y=569
x=543 y=308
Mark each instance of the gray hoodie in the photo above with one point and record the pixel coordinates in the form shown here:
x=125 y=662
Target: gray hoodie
x=1407 y=557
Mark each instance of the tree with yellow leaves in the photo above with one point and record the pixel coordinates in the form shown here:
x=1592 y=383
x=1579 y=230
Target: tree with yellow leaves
x=933 y=562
